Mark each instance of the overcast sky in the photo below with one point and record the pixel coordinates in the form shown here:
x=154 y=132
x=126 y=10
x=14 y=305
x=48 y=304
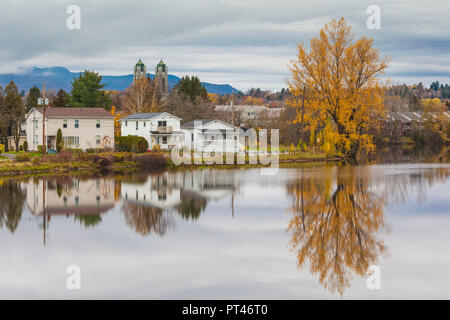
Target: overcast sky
x=246 y=43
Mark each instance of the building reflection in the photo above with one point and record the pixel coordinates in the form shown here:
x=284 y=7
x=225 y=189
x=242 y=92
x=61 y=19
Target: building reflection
x=150 y=202
x=83 y=199
x=338 y=218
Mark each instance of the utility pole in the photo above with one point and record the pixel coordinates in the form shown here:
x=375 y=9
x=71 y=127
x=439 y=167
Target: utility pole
x=43 y=101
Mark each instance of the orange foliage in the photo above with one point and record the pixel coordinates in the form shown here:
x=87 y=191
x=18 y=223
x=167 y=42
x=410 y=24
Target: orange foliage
x=342 y=84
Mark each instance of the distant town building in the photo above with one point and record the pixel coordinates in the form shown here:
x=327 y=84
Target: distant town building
x=403 y=124
x=245 y=114
x=161 y=79
x=140 y=71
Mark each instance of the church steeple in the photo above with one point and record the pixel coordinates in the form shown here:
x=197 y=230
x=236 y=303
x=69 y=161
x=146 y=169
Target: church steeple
x=140 y=70
x=161 y=79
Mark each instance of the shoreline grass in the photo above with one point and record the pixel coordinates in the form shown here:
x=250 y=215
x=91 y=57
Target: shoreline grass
x=121 y=162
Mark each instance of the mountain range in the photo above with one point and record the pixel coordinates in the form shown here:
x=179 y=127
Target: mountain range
x=61 y=78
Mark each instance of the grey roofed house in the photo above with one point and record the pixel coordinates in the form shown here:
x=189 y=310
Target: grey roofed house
x=191 y=124
x=146 y=116
x=142 y=116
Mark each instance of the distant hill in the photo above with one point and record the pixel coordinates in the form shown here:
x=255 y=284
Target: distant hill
x=60 y=78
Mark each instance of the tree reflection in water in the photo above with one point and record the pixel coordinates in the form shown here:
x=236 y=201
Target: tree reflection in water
x=338 y=219
x=147 y=220
x=12 y=199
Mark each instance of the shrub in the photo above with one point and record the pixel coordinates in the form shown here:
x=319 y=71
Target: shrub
x=2 y=148
x=74 y=151
x=131 y=144
x=59 y=141
x=39 y=148
x=22 y=158
x=95 y=150
x=25 y=146
x=36 y=161
x=105 y=160
x=150 y=160
x=122 y=156
x=62 y=157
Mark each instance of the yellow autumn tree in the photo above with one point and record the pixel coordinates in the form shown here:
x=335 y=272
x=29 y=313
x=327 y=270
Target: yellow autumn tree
x=117 y=117
x=341 y=81
x=437 y=122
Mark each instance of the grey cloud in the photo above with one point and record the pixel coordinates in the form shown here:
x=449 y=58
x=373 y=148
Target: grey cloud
x=115 y=33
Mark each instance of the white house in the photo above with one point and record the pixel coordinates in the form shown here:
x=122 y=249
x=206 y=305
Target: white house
x=158 y=128
x=211 y=135
x=82 y=128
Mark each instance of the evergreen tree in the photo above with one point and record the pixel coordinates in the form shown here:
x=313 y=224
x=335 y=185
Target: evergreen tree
x=3 y=122
x=86 y=90
x=59 y=140
x=14 y=111
x=104 y=101
x=61 y=99
x=192 y=88
x=32 y=98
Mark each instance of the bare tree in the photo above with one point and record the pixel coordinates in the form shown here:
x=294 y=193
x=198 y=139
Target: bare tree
x=140 y=97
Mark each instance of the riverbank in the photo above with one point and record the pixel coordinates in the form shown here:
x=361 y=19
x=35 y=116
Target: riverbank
x=30 y=164
x=26 y=164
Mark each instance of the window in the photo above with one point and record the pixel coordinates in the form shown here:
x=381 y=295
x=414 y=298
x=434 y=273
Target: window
x=65 y=201
x=77 y=124
x=77 y=201
x=36 y=140
x=137 y=125
x=162 y=123
x=145 y=124
x=71 y=141
x=164 y=140
x=97 y=125
x=65 y=124
x=98 y=200
x=35 y=124
x=192 y=137
x=97 y=140
x=126 y=123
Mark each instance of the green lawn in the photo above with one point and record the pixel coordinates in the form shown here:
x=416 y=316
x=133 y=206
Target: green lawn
x=31 y=153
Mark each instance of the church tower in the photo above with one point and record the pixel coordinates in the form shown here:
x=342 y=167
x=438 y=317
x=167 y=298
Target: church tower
x=161 y=79
x=140 y=71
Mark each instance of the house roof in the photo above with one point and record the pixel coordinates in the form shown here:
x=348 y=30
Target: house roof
x=146 y=116
x=191 y=124
x=75 y=113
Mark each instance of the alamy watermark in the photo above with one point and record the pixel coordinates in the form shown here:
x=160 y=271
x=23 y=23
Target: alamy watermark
x=373 y=281
x=73 y=22
x=73 y=281
x=218 y=146
x=374 y=20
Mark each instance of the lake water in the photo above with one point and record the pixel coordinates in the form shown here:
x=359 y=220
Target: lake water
x=308 y=232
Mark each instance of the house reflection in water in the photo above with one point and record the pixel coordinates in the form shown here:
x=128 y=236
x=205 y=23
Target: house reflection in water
x=167 y=190
x=69 y=196
x=150 y=201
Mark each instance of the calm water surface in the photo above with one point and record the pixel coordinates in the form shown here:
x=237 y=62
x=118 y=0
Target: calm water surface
x=303 y=233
